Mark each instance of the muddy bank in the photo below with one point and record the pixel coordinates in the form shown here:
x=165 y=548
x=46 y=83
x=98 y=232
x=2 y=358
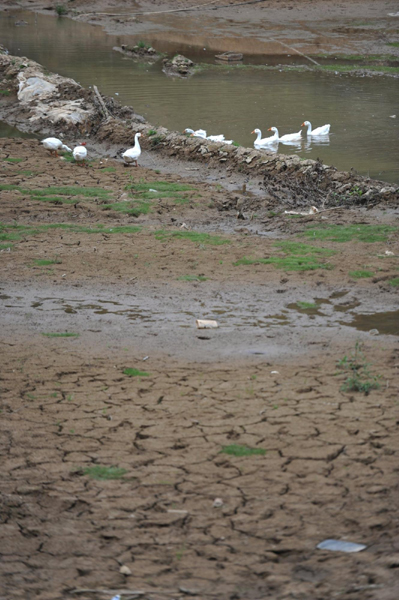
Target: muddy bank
x=49 y=103
x=272 y=27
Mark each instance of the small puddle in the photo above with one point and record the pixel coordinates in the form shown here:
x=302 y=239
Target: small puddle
x=386 y=323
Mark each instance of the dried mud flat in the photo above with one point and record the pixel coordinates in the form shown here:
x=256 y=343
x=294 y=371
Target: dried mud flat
x=267 y=380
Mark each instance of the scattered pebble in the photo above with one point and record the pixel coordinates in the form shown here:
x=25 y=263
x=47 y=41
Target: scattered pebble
x=125 y=570
x=217 y=503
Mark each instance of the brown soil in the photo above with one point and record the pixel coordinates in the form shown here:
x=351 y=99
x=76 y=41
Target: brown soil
x=267 y=378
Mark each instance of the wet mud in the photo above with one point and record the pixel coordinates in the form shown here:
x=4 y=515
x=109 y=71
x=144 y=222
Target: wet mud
x=140 y=454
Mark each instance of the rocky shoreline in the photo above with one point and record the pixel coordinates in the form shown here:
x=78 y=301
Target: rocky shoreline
x=43 y=102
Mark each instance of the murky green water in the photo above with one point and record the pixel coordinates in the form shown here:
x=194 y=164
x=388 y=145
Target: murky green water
x=230 y=101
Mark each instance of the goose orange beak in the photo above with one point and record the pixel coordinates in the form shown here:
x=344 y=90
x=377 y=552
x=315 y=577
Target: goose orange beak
x=252 y=131
x=303 y=125
x=269 y=129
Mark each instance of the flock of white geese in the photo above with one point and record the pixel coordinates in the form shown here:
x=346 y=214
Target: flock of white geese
x=131 y=155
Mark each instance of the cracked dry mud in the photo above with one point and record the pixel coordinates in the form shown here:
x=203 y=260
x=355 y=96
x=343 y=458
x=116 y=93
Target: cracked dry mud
x=330 y=467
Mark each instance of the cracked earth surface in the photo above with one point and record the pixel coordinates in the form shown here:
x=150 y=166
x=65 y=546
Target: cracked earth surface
x=329 y=469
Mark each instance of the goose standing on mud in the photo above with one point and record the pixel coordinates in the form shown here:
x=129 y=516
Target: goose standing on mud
x=54 y=144
x=289 y=137
x=323 y=130
x=80 y=153
x=132 y=155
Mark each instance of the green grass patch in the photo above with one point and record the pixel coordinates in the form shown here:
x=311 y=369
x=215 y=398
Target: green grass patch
x=300 y=257
x=152 y=132
x=192 y=278
x=61 y=10
x=289 y=263
x=108 y=170
x=237 y=450
x=104 y=473
x=307 y=305
x=394 y=282
x=5 y=92
x=160 y=186
x=61 y=335
x=157 y=139
x=55 y=199
x=193 y=236
x=135 y=373
x=17 y=232
x=361 y=274
x=300 y=249
x=364 y=67
x=13 y=160
x=394 y=44
x=44 y=262
x=134 y=208
x=164 y=189
x=347 y=233
x=359 y=377
x=86 y=192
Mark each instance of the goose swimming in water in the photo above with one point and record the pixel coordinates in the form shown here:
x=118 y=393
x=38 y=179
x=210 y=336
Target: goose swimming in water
x=323 y=130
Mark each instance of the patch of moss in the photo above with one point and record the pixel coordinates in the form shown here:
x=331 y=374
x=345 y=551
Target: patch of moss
x=394 y=282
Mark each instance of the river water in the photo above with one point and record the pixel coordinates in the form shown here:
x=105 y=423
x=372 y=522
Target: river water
x=364 y=135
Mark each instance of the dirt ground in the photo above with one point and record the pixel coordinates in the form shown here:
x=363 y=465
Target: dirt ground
x=268 y=27
x=186 y=514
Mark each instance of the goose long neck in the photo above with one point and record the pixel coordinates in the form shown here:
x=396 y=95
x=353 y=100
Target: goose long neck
x=309 y=128
x=136 y=141
x=259 y=134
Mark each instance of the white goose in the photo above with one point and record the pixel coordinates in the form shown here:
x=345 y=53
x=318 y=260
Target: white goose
x=289 y=137
x=201 y=133
x=261 y=143
x=54 y=144
x=323 y=130
x=131 y=155
x=198 y=133
x=80 y=153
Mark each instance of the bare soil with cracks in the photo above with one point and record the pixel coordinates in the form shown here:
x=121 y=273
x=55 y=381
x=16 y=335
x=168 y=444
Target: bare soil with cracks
x=252 y=414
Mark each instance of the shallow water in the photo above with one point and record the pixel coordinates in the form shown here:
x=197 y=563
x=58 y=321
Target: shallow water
x=232 y=101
